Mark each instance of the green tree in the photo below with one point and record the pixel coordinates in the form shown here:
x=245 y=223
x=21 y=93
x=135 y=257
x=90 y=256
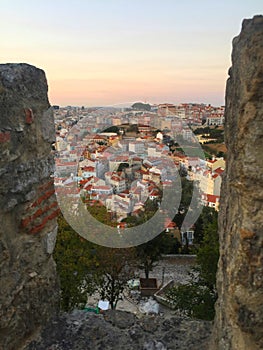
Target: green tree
x=84 y=268
x=186 y=197
x=112 y=128
x=208 y=254
x=169 y=244
x=74 y=259
x=221 y=154
x=197 y=298
x=99 y=212
x=115 y=267
x=123 y=166
x=150 y=208
x=149 y=254
x=208 y=215
x=133 y=128
x=193 y=300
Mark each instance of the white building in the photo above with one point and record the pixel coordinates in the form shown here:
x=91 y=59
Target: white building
x=215 y=119
x=187 y=236
x=137 y=147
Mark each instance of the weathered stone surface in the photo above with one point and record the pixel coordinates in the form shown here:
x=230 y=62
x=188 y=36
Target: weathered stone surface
x=29 y=289
x=239 y=315
x=81 y=330
x=121 y=320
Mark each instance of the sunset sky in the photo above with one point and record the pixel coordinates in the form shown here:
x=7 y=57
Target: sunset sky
x=103 y=52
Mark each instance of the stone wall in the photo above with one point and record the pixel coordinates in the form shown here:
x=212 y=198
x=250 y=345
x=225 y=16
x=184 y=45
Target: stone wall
x=121 y=330
x=29 y=288
x=239 y=314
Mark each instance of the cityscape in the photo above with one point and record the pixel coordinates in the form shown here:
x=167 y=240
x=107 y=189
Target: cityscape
x=123 y=158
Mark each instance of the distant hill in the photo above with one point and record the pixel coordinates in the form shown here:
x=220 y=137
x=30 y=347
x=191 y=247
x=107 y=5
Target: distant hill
x=139 y=106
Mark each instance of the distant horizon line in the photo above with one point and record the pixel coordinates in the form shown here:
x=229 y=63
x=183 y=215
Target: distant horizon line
x=129 y=104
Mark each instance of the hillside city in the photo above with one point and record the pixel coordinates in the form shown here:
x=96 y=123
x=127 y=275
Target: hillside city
x=122 y=159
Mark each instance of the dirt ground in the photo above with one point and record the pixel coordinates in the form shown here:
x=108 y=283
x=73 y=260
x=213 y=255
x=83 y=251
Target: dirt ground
x=217 y=147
